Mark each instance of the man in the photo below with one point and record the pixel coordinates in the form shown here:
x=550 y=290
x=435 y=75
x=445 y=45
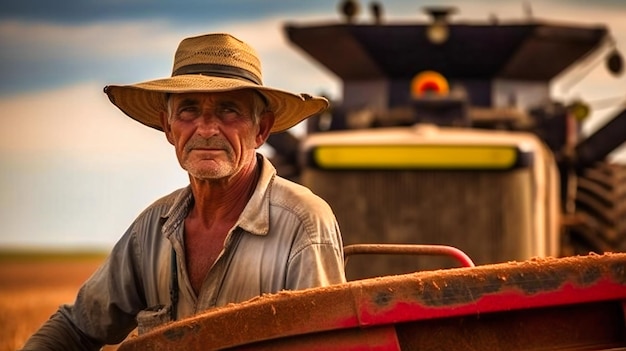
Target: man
x=236 y=232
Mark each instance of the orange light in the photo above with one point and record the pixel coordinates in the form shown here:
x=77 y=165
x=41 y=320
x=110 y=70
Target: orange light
x=429 y=82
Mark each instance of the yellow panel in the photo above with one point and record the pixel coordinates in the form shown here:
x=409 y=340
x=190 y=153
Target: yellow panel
x=414 y=156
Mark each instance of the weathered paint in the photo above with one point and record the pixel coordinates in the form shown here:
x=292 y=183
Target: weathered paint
x=365 y=306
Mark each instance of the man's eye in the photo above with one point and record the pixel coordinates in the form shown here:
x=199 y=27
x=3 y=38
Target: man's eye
x=228 y=113
x=188 y=113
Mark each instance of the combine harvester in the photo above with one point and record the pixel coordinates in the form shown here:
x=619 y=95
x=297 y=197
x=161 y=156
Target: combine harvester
x=447 y=143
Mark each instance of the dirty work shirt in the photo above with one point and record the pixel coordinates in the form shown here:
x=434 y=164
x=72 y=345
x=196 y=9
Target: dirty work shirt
x=285 y=238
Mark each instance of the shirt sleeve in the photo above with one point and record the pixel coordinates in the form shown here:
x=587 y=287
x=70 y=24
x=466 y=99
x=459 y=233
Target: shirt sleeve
x=59 y=334
x=320 y=262
x=104 y=310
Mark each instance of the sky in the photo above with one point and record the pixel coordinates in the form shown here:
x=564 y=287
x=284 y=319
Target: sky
x=75 y=171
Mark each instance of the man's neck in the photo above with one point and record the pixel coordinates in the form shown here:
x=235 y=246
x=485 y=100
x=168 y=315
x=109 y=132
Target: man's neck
x=223 y=200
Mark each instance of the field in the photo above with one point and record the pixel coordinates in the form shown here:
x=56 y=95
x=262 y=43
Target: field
x=33 y=285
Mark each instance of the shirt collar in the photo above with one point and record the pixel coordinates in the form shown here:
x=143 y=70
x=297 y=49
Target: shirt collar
x=177 y=212
x=255 y=217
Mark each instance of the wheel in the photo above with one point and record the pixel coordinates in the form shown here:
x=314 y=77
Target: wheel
x=599 y=222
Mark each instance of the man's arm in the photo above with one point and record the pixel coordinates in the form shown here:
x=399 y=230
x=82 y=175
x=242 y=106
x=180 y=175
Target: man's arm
x=58 y=334
x=320 y=262
x=105 y=307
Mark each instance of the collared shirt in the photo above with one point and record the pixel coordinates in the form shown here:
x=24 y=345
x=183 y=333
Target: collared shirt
x=286 y=238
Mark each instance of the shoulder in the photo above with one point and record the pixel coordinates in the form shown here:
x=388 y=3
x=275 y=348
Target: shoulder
x=291 y=195
x=287 y=194
x=295 y=207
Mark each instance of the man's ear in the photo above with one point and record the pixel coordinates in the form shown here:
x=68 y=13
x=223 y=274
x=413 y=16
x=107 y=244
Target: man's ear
x=165 y=125
x=266 y=122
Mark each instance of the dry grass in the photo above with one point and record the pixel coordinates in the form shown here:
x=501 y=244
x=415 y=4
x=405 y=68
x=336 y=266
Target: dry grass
x=33 y=286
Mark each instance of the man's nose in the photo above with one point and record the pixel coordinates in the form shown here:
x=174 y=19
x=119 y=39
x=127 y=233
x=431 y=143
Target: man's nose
x=208 y=124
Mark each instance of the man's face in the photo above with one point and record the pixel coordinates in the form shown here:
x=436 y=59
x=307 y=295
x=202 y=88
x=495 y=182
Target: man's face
x=215 y=134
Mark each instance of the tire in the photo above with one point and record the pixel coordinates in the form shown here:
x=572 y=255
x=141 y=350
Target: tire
x=599 y=221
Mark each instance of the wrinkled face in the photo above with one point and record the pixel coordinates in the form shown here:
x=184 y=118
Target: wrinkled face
x=215 y=134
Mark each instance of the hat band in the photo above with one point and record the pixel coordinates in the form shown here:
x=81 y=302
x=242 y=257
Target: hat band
x=224 y=71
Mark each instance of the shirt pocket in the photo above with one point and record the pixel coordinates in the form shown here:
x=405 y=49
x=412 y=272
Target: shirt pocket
x=153 y=317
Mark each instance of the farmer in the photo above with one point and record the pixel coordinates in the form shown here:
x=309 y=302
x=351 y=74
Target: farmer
x=236 y=232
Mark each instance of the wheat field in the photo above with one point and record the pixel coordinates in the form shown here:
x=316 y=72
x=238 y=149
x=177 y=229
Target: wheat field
x=32 y=286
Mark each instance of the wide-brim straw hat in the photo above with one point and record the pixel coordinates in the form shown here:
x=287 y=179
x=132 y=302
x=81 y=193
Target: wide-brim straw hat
x=212 y=63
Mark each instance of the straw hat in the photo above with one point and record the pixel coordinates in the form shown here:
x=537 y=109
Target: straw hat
x=212 y=63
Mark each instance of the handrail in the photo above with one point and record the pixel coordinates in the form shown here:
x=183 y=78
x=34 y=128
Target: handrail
x=408 y=249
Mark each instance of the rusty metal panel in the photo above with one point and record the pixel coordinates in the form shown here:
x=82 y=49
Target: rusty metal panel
x=592 y=287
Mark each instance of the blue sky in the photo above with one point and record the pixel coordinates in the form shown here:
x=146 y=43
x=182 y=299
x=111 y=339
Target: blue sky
x=74 y=171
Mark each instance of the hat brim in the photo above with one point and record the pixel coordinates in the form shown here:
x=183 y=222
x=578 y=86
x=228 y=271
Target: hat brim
x=145 y=101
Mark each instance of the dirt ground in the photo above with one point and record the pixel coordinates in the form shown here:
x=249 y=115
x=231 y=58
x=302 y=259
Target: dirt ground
x=31 y=289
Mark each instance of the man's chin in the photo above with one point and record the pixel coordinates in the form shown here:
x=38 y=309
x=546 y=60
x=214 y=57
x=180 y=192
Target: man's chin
x=209 y=173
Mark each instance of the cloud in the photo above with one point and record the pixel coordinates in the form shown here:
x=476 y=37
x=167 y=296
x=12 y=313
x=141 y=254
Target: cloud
x=77 y=121
x=98 y=39
x=37 y=55
x=43 y=55
x=183 y=12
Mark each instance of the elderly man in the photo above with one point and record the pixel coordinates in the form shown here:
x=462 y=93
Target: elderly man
x=236 y=232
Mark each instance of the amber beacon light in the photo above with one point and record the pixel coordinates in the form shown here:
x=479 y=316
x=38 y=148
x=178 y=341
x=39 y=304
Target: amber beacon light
x=429 y=83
